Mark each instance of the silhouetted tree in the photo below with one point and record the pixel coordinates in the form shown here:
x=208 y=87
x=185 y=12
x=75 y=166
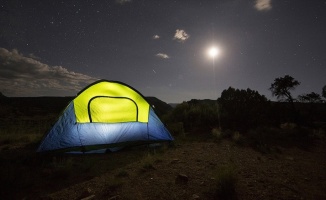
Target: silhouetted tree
x=310 y=98
x=324 y=92
x=281 y=89
x=242 y=109
x=282 y=86
x=312 y=112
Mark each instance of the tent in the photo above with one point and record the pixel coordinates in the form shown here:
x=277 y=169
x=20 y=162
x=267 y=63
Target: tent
x=105 y=115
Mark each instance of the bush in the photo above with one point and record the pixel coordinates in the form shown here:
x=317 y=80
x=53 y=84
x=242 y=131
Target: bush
x=238 y=138
x=176 y=128
x=225 y=182
x=196 y=115
x=217 y=134
x=227 y=133
x=147 y=163
x=243 y=109
x=264 y=139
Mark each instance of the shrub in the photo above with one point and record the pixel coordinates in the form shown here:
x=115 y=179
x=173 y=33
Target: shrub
x=225 y=182
x=147 y=163
x=227 y=133
x=196 y=114
x=242 y=109
x=262 y=138
x=176 y=128
x=217 y=134
x=238 y=138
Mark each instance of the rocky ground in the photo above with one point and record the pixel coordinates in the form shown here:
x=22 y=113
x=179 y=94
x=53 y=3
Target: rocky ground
x=189 y=171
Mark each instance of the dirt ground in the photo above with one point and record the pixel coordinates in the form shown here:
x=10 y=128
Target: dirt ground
x=188 y=170
x=290 y=173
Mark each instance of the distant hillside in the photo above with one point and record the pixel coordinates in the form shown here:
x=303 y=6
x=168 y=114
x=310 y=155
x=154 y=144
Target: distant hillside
x=195 y=101
x=202 y=101
x=173 y=105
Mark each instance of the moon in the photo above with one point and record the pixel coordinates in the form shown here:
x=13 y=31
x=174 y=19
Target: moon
x=213 y=52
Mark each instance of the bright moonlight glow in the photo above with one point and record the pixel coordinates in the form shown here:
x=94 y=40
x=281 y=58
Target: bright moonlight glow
x=213 y=52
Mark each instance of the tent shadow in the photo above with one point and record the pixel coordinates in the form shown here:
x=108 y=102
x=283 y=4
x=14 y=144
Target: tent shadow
x=26 y=174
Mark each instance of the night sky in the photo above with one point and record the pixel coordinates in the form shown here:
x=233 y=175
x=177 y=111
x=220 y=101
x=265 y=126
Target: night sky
x=56 y=48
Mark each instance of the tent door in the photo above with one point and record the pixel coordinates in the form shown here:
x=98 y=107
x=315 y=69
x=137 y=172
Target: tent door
x=108 y=109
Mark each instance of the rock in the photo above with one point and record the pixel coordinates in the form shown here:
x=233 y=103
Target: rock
x=181 y=179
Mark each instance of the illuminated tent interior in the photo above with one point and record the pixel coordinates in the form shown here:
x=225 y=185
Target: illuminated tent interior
x=106 y=115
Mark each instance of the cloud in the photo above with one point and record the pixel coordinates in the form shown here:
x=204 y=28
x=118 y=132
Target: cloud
x=263 y=5
x=122 y=1
x=34 y=57
x=181 y=35
x=162 y=55
x=156 y=37
x=26 y=76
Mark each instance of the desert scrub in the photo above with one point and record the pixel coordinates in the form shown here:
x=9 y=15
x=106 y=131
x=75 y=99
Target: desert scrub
x=261 y=138
x=264 y=139
x=226 y=179
x=238 y=139
x=147 y=163
x=217 y=134
x=176 y=128
x=159 y=148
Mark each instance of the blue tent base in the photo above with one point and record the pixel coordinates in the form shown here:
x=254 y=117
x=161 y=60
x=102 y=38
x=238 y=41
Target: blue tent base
x=108 y=148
